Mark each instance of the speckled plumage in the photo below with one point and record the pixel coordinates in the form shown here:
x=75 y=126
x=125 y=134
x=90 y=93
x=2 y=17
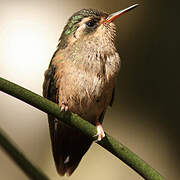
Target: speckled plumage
x=81 y=75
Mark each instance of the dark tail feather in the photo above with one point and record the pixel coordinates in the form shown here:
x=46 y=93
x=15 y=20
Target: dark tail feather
x=68 y=145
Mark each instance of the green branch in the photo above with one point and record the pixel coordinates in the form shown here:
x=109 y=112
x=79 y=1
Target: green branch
x=109 y=143
x=29 y=169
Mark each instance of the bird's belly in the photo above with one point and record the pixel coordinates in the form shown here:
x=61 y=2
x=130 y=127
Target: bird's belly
x=86 y=95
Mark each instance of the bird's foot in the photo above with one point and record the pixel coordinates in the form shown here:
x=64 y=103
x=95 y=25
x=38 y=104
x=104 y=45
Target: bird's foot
x=100 y=132
x=64 y=107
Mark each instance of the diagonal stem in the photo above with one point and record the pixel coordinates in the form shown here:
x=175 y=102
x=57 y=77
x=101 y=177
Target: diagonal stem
x=109 y=143
x=29 y=169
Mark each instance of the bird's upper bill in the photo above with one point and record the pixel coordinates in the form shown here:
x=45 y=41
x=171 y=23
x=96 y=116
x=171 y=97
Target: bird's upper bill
x=113 y=16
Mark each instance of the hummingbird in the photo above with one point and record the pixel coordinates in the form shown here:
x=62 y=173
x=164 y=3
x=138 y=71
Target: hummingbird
x=81 y=79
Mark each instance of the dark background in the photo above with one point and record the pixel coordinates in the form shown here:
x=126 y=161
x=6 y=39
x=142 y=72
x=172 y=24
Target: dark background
x=145 y=114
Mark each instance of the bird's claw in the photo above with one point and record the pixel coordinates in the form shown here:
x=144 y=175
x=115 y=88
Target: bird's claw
x=100 y=132
x=64 y=107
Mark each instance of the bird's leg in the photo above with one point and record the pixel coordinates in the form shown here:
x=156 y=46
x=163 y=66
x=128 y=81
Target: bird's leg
x=64 y=106
x=100 y=131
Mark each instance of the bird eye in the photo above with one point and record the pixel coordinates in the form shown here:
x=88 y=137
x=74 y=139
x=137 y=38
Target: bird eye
x=91 y=23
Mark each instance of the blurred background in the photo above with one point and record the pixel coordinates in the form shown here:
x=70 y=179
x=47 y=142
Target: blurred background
x=145 y=114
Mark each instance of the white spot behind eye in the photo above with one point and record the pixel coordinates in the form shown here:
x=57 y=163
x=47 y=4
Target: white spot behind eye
x=79 y=31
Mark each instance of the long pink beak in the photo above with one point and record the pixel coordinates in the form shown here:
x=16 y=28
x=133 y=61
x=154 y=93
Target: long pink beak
x=113 y=16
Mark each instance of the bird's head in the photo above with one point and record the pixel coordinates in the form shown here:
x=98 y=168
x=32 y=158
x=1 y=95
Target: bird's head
x=88 y=23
